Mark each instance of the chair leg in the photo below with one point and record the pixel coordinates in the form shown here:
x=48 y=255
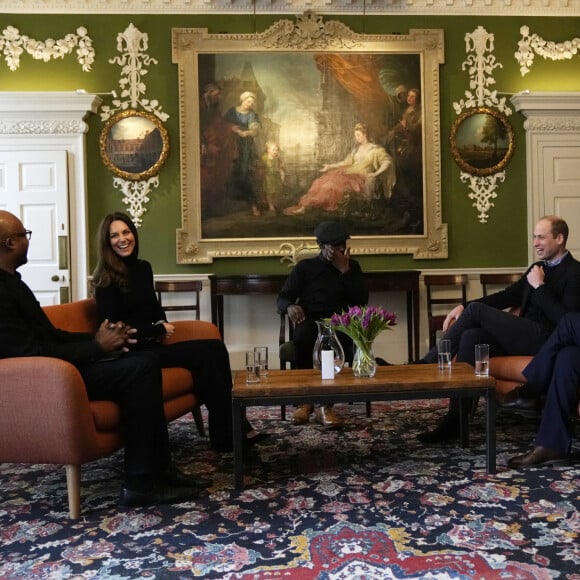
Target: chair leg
x=198 y=419
x=283 y=412
x=73 y=486
x=368 y=404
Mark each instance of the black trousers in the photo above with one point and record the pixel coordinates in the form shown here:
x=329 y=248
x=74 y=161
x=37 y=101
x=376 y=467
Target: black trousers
x=555 y=373
x=133 y=381
x=505 y=333
x=209 y=363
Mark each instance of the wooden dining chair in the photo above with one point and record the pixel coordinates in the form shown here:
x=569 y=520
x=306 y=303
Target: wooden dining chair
x=443 y=290
x=191 y=287
x=502 y=280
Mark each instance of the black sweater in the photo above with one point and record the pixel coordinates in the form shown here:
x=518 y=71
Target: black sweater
x=136 y=305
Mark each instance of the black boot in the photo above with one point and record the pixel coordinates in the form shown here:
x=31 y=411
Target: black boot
x=446 y=430
x=521 y=399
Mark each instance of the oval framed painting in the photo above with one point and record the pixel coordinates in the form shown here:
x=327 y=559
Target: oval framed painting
x=134 y=145
x=482 y=141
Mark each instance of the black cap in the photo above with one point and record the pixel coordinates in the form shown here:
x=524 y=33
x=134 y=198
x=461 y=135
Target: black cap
x=331 y=233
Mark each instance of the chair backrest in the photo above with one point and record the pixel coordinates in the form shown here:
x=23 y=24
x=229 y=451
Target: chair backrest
x=193 y=287
x=79 y=316
x=285 y=344
x=503 y=279
x=455 y=288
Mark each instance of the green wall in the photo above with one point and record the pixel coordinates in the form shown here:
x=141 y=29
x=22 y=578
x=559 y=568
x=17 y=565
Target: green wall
x=501 y=242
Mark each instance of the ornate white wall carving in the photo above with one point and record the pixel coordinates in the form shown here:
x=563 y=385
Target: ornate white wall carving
x=133 y=45
x=480 y=64
x=13 y=44
x=532 y=44
x=443 y=7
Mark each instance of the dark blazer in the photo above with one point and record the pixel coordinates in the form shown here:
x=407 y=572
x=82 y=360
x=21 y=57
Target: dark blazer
x=546 y=304
x=25 y=330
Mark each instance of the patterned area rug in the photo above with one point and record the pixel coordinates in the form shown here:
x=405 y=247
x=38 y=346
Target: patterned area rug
x=366 y=502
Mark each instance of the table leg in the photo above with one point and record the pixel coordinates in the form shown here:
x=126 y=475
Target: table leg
x=238 y=412
x=490 y=431
x=464 y=406
x=411 y=354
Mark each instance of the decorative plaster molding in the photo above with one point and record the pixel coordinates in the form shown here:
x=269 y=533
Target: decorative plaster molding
x=136 y=195
x=442 y=7
x=480 y=64
x=45 y=113
x=483 y=190
x=133 y=44
x=13 y=44
x=561 y=125
x=42 y=127
x=549 y=112
x=547 y=104
x=534 y=44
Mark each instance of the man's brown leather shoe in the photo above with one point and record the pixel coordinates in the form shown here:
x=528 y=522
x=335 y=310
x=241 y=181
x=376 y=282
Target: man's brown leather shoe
x=538 y=457
x=302 y=414
x=329 y=417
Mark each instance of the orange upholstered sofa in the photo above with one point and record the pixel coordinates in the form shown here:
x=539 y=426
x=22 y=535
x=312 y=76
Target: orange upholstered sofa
x=47 y=417
x=507 y=371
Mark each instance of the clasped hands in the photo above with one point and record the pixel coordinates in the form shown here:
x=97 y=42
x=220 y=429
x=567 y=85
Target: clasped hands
x=113 y=336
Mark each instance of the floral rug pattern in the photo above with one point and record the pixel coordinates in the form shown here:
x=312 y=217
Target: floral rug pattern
x=367 y=502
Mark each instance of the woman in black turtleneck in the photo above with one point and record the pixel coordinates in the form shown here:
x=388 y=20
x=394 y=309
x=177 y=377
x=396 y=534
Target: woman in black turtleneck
x=124 y=292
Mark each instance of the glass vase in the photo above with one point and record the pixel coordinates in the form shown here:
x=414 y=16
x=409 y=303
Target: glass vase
x=327 y=340
x=364 y=363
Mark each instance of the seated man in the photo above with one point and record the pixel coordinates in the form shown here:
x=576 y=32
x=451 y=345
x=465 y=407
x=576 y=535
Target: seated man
x=547 y=291
x=317 y=288
x=554 y=373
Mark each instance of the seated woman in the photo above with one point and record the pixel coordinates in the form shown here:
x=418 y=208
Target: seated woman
x=124 y=292
x=358 y=174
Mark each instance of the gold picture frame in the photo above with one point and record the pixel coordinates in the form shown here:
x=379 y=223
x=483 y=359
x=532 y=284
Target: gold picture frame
x=308 y=115
x=482 y=141
x=134 y=144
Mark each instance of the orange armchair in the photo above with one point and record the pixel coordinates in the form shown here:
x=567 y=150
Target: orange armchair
x=46 y=414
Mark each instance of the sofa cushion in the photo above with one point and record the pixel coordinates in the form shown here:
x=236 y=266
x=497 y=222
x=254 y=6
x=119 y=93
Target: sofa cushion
x=106 y=415
x=176 y=382
x=509 y=368
x=79 y=316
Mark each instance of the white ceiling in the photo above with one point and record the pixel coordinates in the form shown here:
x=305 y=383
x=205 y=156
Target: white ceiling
x=569 y=8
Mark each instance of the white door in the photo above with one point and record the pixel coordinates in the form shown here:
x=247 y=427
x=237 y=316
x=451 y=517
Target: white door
x=33 y=186
x=561 y=188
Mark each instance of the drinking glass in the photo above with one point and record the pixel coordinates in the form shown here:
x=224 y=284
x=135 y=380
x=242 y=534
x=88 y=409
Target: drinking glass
x=252 y=367
x=482 y=360
x=262 y=355
x=444 y=354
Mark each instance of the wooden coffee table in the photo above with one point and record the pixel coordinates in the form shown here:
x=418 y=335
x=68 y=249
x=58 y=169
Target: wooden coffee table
x=391 y=383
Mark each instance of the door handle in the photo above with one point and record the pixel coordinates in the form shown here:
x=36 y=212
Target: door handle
x=55 y=278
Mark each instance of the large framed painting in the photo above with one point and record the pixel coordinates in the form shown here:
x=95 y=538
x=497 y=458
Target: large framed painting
x=305 y=122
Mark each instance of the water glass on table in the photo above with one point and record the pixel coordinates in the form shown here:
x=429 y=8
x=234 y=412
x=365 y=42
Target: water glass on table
x=444 y=354
x=262 y=354
x=482 y=360
x=252 y=367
